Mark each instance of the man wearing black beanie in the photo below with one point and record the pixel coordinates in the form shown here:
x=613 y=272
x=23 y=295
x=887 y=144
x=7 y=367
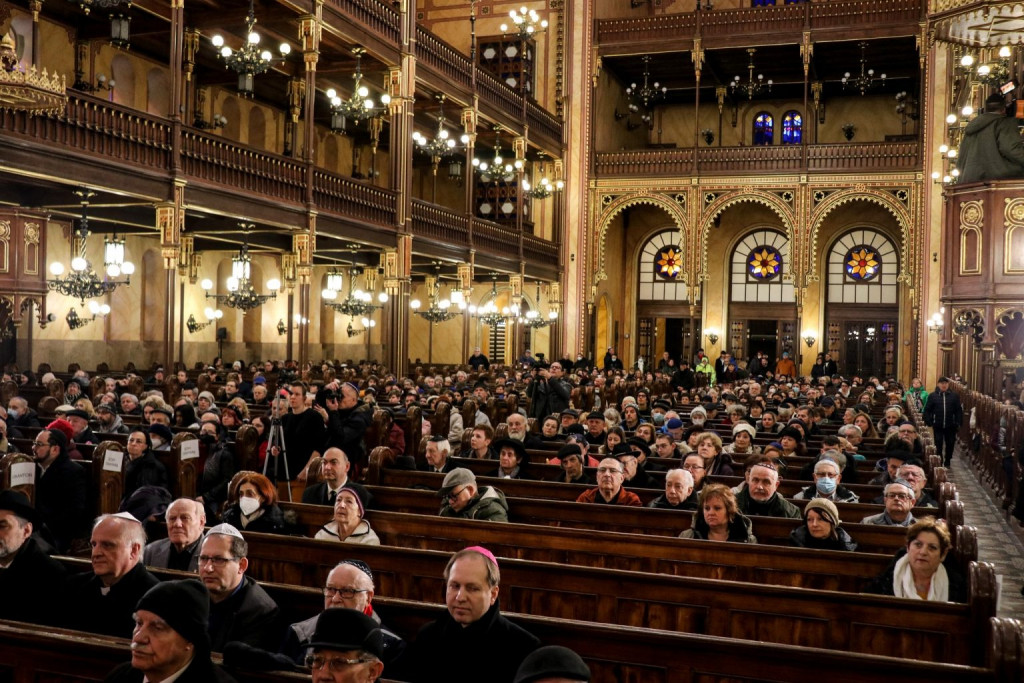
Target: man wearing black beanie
x=170 y=639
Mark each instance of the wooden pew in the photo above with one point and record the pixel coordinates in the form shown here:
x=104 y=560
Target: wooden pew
x=629 y=520
x=29 y=654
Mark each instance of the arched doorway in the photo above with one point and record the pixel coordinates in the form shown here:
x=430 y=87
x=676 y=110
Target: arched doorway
x=665 y=320
x=862 y=315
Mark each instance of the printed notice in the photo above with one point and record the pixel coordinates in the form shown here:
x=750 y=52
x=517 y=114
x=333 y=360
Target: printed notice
x=112 y=461
x=190 y=449
x=23 y=474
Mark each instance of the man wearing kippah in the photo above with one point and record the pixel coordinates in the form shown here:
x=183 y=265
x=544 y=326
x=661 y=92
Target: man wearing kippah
x=170 y=642
x=28 y=576
x=472 y=642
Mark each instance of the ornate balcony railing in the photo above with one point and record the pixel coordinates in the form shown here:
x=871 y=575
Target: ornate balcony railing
x=540 y=252
x=826 y=158
x=435 y=222
x=212 y=159
x=376 y=16
x=354 y=199
x=790 y=19
x=495 y=238
x=444 y=58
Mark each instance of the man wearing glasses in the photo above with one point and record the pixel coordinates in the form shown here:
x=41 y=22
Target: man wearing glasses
x=461 y=497
x=349 y=586
x=62 y=487
x=609 y=491
x=899 y=499
x=347 y=648
x=240 y=610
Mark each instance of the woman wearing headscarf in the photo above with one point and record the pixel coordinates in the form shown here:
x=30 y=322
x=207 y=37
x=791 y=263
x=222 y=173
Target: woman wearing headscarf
x=348 y=524
x=821 y=528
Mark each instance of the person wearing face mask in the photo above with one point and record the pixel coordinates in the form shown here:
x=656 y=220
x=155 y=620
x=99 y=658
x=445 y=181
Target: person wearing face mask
x=160 y=437
x=218 y=467
x=252 y=505
x=826 y=484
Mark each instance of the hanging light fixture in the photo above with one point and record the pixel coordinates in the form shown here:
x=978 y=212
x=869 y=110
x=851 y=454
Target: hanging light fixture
x=488 y=314
x=439 y=309
x=498 y=168
x=534 y=320
x=545 y=188
x=753 y=86
x=28 y=90
x=367 y=325
x=525 y=23
x=866 y=80
x=359 y=106
x=81 y=281
x=641 y=99
x=358 y=302
x=241 y=293
x=442 y=144
x=249 y=60
x=120 y=29
x=87 y=5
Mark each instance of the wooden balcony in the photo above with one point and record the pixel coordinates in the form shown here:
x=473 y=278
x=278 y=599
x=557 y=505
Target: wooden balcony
x=827 y=158
x=97 y=142
x=779 y=24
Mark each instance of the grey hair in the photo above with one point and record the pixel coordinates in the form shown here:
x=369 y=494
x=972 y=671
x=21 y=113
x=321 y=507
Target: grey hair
x=687 y=477
x=132 y=533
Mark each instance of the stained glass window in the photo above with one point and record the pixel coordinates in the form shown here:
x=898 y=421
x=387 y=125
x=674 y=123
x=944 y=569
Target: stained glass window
x=764 y=129
x=668 y=262
x=792 y=128
x=764 y=263
x=862 y=263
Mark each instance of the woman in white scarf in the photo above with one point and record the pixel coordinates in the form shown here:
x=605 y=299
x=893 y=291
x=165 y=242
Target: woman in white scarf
x=920 y=573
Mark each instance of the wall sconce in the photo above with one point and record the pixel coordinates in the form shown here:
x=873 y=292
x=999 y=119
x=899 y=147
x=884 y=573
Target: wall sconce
x=936 y=323
x=282 y=328
x=76 y=322
x=194 y=325
x=712 y=335
x=810 y=336
x=708 y=135
x=367 y=325
x=849 y=130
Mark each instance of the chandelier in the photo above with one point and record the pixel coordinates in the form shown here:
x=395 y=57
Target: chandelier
x=248 y=61
x=212 y=316
x=87 y=5
x=439 y=310
x=753 y=86
x=241 y=293
x=534 y=320
x=489 y=314
x=545 y=188
x=866 y=80
x=357 y=303
x=81 y=281
x=442 y=144
x=359 y=106
x=497 y=168
x=28 y=90
x=525 y=23
x=76 y=322
x=642 y=99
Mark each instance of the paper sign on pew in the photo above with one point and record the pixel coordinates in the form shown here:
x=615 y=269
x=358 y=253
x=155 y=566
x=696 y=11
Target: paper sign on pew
x=23 y=474
x=189 y=449
x=112 y=461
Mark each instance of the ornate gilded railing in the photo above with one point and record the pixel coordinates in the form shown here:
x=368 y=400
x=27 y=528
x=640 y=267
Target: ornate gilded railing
x=746 y=20
x=354 y=199
x=839 y=157
x=439 y=223
x=495 y=238
x=540 y=251
x=444 y=58
x=375 y=15
x=212 y=159
x=98 y=128
x=542 y=122
x=640 y=29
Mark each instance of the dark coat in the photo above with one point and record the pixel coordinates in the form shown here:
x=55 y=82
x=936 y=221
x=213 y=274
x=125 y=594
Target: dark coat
x=145 y=470
x=87 y=609
x=249 y=616
x=740 y=529
x=777 y=506
x=991 y=149
x=683 y=379
x=943 y=410
x=345 y=430
x=216 y=476
x=158 y=554
x=304 y=434
x=30 y=585
x=883 y=583
x=201 y=670
x=62 y=500
x=548 y=396
x=661 y=503
x=490 y=649
x=317 y=493
x=801 y=538
x=270 y=522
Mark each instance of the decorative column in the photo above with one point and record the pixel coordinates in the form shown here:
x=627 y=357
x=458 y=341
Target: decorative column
x=515 y=285
x=465 y=275
x=188 y=267
x=170 y=219
x=177 y=49
x=290 y=275
x=398 y=285
x=303 y=244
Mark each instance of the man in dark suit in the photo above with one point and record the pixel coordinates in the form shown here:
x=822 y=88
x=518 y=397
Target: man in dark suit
x=335 y=476
x=28 y=576
x=180 y=550
x=438 y=455
x=62 y=487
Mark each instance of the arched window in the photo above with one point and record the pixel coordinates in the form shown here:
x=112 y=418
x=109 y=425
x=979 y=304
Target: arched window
x=764 y=129
x=758 y=263
x=660 y=267
x=792 y=128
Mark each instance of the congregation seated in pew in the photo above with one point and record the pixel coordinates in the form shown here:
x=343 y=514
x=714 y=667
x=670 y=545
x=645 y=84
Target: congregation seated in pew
x=348 y=524
x=718 y=517
x=822 y=529
x=462 y=498
x=920 y=571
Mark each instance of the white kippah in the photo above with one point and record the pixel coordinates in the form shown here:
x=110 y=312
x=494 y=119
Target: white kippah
x=126 y=515
x=226 y=530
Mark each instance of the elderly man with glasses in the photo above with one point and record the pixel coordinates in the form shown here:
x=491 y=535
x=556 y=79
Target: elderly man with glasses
x=240 y=610
x=899 y=500
x=461 y=497
x=349 y=586
x=609 y=491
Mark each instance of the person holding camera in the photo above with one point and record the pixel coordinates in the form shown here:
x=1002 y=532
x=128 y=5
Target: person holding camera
x=347 y=418
x=549 y=391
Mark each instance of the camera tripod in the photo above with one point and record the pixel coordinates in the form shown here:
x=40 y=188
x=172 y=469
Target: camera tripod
x=275 y=439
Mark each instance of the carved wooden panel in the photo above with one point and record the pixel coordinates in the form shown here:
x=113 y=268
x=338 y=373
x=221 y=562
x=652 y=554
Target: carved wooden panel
x=970 y=250
x=510 y=60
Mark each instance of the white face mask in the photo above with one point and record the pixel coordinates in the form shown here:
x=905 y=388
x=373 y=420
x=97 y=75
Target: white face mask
x=248 y=505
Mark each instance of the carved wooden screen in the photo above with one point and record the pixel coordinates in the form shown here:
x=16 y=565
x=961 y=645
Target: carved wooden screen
x=509 y=60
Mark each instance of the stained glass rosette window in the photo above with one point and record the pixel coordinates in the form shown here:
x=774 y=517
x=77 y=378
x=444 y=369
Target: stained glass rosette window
x=862 y=263
x=764 y=263
x=668 y=262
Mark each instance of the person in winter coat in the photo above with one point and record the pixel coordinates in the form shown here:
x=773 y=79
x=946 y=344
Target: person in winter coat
x=944 y=414
x=348 y=525
x=920 y=571
x=461 y=497
x=252 y=505
x=991 y=147
x=821 y=528
x=718 y=518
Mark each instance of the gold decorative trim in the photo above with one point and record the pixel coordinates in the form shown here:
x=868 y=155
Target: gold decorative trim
x=32 y=234
x=615 y=206
x=1013 y=220
x=747 y=194
x=964 y=270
